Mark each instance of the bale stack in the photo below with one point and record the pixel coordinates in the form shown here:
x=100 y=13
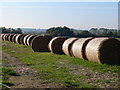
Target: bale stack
x=55 y=45
x=29 y=39
x=78 y=47
x=104 y=51
x=40 y=43
x=67 y=45
x=100 y=50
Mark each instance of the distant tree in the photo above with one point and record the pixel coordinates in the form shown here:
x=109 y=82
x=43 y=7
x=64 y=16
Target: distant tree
x=94 y=30
x=103 y=30
x=19 y=31
x=60 y=31
x=10 y=30
x=85 y=33
x=110 y=34
x=118 y=33
x=3 y=30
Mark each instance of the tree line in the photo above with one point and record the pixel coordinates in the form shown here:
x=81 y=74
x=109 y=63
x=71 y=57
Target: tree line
x=93 y=32
x=10 y=30
x=66 y=31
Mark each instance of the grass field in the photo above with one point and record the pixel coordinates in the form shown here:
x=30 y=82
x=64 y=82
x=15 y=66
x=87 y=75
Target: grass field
x=65 y=70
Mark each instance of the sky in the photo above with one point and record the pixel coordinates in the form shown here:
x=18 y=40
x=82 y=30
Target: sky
x=78 y=15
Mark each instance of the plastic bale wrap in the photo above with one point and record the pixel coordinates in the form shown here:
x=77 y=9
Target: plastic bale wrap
x=29 y=39
x=40 y=43
x=67 y=45
x=55 y=45
x=104 y=51
x=78 y=47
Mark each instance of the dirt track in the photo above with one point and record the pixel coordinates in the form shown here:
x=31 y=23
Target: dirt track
x=26 y=76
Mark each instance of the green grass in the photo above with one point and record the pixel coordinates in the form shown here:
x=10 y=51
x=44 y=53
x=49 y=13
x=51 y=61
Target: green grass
x=6 y=72
x=54 y=67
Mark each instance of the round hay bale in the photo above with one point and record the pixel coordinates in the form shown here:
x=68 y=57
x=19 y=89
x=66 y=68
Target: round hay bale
x=78 y=47
x=40 y=43
x=29 y=39
x=4 y=37
x=104 y=51
x=7 y=37
x=1 y=36
x=10 y=37
x=55 y=45
x=18 y=38
x=22 y=39
x=14 y=37
x=25 y=39
x=66 y=47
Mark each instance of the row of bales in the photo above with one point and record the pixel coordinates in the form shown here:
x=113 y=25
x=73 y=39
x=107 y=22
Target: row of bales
x=101 y=50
